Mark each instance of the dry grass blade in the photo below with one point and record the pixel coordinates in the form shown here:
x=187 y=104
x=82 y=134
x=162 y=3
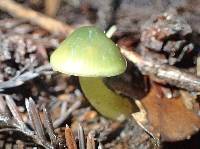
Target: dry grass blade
x=81 y=137
x=49 y=126
x=90 y=141
x=13 y=108
x=70 y=140
x=35 y=118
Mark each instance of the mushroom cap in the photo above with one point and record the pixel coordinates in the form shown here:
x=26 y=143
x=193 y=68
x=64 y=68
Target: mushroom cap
x=88 y=52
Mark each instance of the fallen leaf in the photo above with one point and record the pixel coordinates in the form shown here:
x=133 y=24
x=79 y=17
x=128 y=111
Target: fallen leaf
x=169 y=118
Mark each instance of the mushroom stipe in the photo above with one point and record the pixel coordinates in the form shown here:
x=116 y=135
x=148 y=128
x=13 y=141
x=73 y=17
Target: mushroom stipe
x=105 y=100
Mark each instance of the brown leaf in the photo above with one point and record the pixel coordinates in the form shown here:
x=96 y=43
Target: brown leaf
x=169 y=118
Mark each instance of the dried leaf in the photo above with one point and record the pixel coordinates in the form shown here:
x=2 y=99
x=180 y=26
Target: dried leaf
x=169 y=118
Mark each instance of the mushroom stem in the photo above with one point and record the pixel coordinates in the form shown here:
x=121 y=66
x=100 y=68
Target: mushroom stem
x=104 y=100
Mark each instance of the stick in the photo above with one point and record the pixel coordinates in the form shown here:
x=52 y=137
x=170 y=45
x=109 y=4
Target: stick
x=164 y=73
x=70 y=140
x=41 y=20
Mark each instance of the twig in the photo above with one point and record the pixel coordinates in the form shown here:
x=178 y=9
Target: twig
x=164 y=73
x=45 y=22
x=70 y=140
x=25 y=76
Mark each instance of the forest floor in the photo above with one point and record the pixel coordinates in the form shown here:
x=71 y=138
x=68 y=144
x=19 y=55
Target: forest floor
x=161 y=44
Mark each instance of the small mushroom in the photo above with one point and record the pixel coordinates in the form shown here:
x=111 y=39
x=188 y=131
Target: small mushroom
x=89 y=54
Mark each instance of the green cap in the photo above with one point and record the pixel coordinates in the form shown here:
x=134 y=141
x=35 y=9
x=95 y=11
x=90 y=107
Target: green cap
x=88 y=52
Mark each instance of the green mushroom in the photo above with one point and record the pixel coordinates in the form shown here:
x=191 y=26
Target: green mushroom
x=89 y=54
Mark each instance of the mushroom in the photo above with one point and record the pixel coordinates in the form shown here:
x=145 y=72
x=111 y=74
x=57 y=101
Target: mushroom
x=89 y=54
